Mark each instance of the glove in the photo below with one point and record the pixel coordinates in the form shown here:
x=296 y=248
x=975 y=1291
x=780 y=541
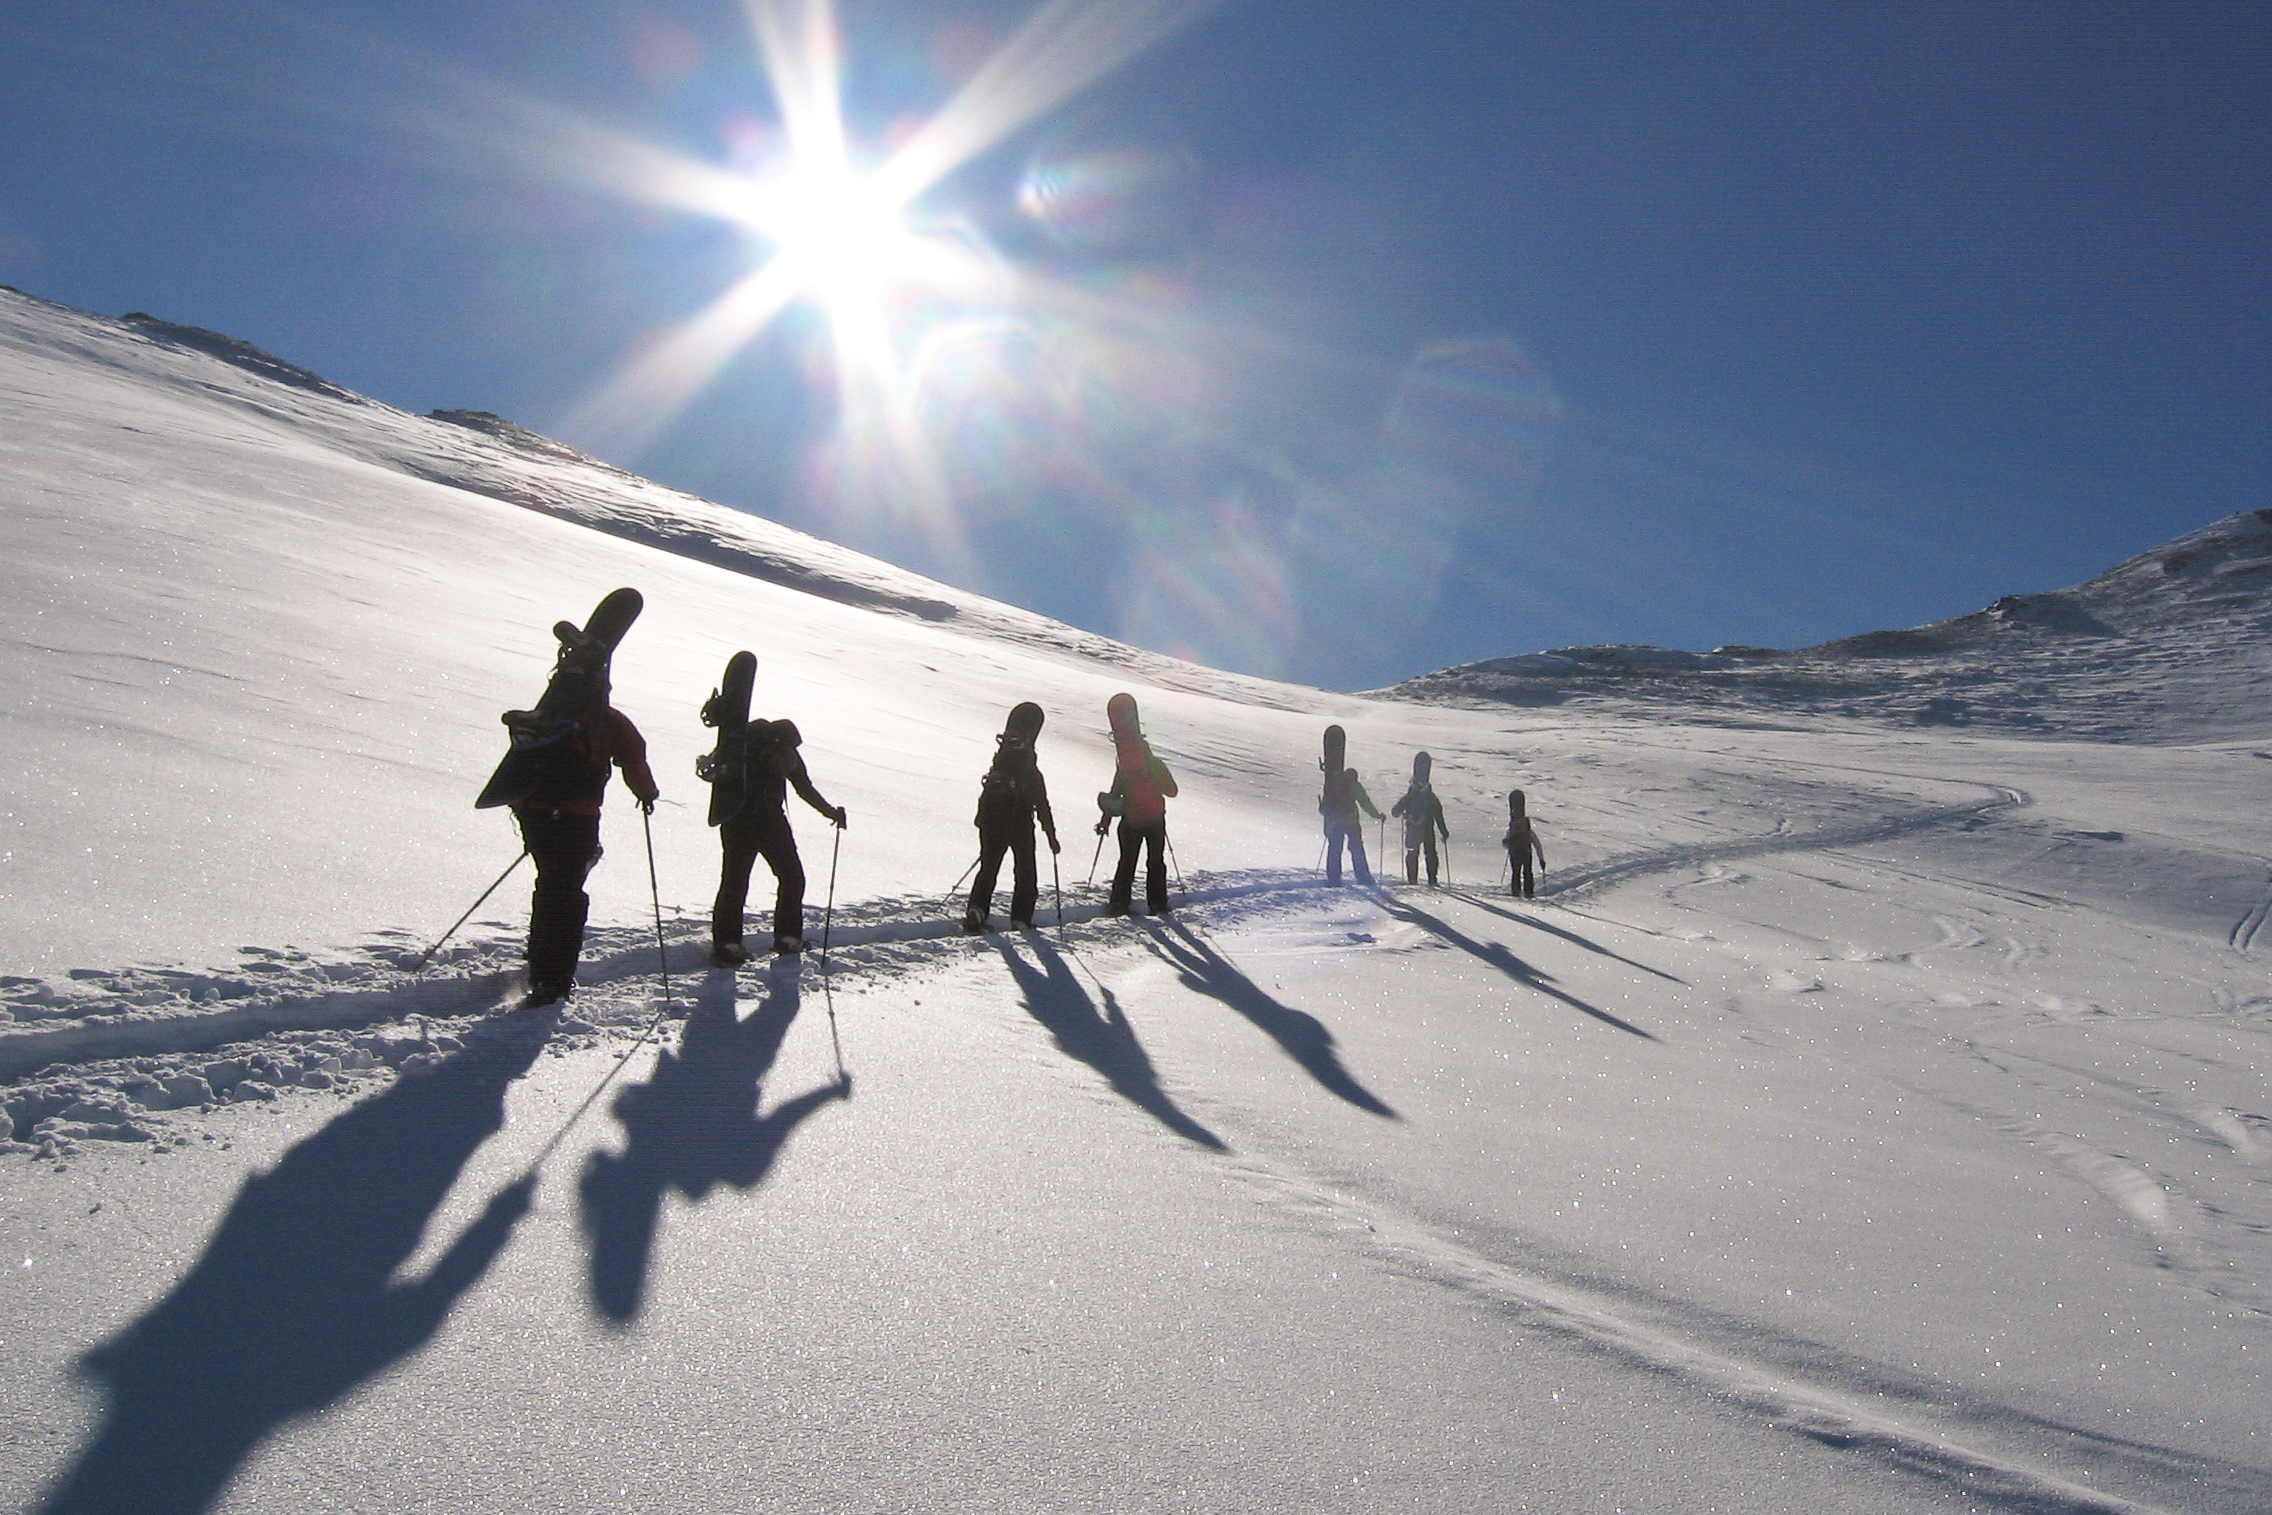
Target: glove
x=1104 y=824
x=647 y=805
x=841 y=818
x=1053 y=847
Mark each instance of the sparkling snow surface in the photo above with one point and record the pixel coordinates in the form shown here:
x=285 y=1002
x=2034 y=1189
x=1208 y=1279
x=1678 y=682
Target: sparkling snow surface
x=1867 y=1117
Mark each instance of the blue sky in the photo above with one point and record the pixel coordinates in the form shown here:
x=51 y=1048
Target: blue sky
x=1330 y=341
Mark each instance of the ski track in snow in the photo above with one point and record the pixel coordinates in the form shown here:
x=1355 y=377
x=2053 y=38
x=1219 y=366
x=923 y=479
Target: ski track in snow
x=152 y=1011
x=1577 y=883
x=1822 y=1413
x=2246 y=928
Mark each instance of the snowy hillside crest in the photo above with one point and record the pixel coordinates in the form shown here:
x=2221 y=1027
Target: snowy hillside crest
x=2174 y=644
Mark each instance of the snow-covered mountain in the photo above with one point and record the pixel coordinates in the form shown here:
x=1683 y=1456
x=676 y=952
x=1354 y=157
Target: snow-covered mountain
x=2173 y=645
x=1868 y=1115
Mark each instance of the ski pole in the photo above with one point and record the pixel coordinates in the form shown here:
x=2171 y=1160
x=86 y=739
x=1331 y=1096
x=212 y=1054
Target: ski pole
x=828 y=920
x=1177 y=865
x=427 y=956
x=655 y=892
x=1057 y=887
x=1093 y=856
x=828 y=912
x=955 y=888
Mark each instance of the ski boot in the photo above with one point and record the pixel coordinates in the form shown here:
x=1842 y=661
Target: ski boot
x=543 y=992
x=972 y=923
x=788 y=946
x=728 y=954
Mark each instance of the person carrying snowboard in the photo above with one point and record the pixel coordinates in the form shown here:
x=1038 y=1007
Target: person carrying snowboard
x=759 y=827
x=1141 y=789
x=1521 y=842
x=1011 y=798
x=1423 y=820
x=559 y=809
x=1343 y=796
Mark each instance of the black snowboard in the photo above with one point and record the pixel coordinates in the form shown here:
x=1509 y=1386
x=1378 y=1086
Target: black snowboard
x=1336 y=750
x=728 y=710
x=583 y=651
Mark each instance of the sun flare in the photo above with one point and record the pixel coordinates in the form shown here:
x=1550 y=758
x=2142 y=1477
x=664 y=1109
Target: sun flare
x=839 y=234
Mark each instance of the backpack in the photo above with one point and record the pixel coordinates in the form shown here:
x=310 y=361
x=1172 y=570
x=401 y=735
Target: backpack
x=1001 y=790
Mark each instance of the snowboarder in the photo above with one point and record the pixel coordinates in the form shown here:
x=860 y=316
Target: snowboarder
x=559 y=784
x=1423 y=820
x=1011 y=797
x=759 y=827
x=1521 y=842
x=1141 y=788
x=1343 y=796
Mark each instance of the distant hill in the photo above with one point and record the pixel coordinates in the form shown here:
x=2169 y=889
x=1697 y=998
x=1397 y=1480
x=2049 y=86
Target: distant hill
x=2170 y=646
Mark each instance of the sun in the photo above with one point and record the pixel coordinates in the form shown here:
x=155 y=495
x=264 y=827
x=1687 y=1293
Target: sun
x=838 y=234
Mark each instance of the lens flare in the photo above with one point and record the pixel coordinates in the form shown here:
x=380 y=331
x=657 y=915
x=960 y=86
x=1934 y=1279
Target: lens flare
x=1464 y=445
x=1110 y=188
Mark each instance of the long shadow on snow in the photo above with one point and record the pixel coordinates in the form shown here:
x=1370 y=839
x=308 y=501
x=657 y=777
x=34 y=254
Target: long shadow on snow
x=293 y=1303
x=1104 y=1040
x=1506 y=962
x=1572 y=937
x=691 y=1126
x=1304 y=1036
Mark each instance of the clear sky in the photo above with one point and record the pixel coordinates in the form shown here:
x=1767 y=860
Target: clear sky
x=1325 y=340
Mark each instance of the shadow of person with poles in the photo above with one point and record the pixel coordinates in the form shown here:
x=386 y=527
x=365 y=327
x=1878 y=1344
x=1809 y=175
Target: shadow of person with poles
x=294 y=1302
x=1506 y=962
x=1305 y=1038
x=1101 y=1038
x=692 y=1126
x=1535 y=923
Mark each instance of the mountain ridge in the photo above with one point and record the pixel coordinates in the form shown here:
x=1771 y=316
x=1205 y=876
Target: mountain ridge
x=2168 y=645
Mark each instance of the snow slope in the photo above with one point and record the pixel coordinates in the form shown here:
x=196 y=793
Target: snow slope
x=1868 y=1116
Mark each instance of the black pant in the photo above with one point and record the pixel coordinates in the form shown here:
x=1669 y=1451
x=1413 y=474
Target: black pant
x=1153 y=840
x=1354 y=835
x=1025 y=877
x=1523 y=883
x=564 y=847
x=755 y=833
x=1412 y=853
